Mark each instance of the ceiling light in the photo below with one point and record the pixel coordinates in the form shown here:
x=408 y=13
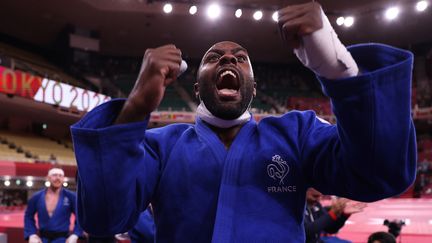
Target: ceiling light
x=65 y=184
x=238 y=13
x=421 y=6
x=213 y=11
x=167 y=8
x=7 y=183
x=340 y=21
x=392 y=13
x=47 y=184
x=193 y=10
x=258 y=15
x=275 y=16
x=349 y=21
x=29 y=183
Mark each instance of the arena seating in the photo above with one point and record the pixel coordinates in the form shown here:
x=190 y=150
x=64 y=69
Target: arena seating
x=172 y=101
x=36 y=64
x=321 y=105
x=9 y=154
x=38 y=149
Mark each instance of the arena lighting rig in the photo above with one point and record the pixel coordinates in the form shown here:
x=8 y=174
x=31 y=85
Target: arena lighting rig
x=214 y=11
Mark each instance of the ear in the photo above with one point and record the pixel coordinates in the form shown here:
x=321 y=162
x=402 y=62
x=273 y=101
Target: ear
x=254 y=90
x=196 y=90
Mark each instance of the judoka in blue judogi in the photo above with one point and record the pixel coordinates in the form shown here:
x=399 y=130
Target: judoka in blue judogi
x=227 y=178
x=53 y=207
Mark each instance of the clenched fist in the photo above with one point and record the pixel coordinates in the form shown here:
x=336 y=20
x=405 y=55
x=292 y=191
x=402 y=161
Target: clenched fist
x=159 y=68
x=299 y=20
x=307 y=30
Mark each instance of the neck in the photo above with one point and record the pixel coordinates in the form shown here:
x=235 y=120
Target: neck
x=54 y=190
x=205 y=115
x=226 y=135
x=225 y=129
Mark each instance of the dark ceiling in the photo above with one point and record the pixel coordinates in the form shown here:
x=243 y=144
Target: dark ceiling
x=128 y=27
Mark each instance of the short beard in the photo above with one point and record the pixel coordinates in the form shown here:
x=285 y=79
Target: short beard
x=226 y=111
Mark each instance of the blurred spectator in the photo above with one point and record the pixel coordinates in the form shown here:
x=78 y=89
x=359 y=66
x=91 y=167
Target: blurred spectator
x=381 y=237
x=54 y=207
x=318 y=220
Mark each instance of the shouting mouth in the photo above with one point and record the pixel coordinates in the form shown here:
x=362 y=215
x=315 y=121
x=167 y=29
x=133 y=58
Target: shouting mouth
x=228 y=84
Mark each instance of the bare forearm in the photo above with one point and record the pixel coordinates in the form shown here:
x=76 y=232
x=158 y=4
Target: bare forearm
x=160 y=67
x=131 y=113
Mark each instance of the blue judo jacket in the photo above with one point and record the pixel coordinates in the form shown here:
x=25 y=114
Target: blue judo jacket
x=255 y=190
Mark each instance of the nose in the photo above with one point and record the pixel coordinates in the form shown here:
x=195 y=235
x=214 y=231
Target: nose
x=228 y=58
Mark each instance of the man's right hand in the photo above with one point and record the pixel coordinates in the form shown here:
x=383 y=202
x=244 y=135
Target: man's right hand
x=159 y=68
x=338 y=205
x=354 y=207
x=34 y=239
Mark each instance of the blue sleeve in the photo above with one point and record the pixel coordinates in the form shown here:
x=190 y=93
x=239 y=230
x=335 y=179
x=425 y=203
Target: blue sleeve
x=371 y=153
x=29 y=220
x=317 y=226
x=77 y=228
x=117 y=171
x=336 y=225
x=323 y=223
x=144 y=230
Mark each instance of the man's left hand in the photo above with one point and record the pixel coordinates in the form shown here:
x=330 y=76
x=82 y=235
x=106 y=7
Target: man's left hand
x=73 y=238
x=299 y=20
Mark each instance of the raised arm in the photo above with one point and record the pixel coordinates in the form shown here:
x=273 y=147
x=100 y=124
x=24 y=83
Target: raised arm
x=118 y=171
x=159 y=68
x=371 y=153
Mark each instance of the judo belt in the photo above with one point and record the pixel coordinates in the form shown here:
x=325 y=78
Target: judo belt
x=51 y=235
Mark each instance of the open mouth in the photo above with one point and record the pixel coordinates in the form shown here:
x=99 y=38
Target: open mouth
x=228 y=84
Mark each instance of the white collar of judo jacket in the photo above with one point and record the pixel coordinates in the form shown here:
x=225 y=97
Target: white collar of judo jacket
x=203 y=113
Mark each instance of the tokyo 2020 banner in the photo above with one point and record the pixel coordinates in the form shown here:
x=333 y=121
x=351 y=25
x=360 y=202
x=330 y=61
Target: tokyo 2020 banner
x=48 y=91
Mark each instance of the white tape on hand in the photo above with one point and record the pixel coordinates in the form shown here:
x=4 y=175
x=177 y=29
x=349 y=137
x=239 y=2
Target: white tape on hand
x=323 y=53
x=183 y=67
x=34 y=239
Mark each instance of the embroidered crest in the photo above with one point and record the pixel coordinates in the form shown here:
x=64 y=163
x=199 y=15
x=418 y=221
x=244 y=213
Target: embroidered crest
x=278 y=169
x=66 y=201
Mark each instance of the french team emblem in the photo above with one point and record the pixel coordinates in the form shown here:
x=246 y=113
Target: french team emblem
x=278 y=169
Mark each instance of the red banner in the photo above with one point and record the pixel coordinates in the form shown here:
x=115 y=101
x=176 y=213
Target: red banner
x=19 y=83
